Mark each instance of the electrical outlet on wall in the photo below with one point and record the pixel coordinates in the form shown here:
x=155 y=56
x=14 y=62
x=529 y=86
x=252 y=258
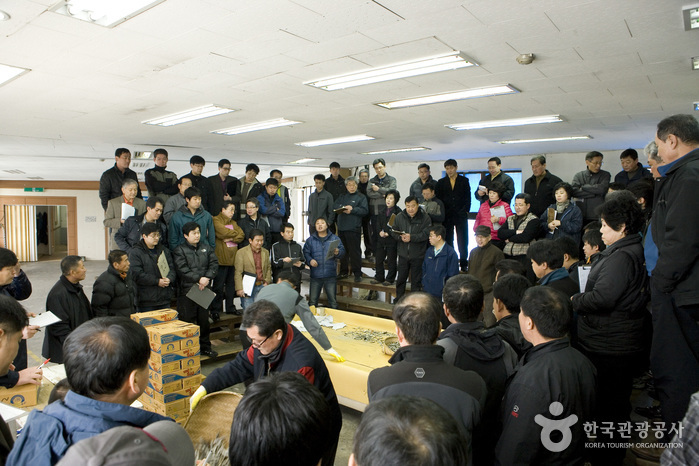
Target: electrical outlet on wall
x=91 y=219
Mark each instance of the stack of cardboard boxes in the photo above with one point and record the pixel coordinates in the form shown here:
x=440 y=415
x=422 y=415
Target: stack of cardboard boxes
x=174 y=368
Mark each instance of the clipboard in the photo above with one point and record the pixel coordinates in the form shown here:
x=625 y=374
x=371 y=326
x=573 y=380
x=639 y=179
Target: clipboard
x=331 y=252
x=127 y=211
x=202 y=297
x=391 y=220
x=163 y=265
x=249 y=280
x=583 y=273
x=339 y=211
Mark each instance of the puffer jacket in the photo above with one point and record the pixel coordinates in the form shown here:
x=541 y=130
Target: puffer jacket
x=194 y=262
x=418 y=227
x=612 y=309
x=571 y=223
x=146 y=275
x=184 y=215
x=273 y=208
x=317 y=248
x=113 y=295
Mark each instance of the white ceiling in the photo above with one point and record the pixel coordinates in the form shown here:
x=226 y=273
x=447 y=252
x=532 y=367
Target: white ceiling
x=611 y=68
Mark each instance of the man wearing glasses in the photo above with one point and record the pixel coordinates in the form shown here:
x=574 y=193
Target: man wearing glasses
x=275 y=347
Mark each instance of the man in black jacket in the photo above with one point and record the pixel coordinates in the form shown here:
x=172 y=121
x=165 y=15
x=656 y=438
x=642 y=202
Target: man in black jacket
x=129 y=234
x=547 y=262
x=417 y=368
x=287 y=254
x=68 y=302
x=113 y=179
x=197 y=163
x=349 y=227
x=552 y=380
x=335 y=183
x=196 y=265
x=470 y=347
x=153 y=290
x=455 y=192
x=507 y=296
x=159 y=181
x=540 y=186
x=223 y=188
x=411 y=230
x=113 y=291
x=675 y=295
x=495 y=173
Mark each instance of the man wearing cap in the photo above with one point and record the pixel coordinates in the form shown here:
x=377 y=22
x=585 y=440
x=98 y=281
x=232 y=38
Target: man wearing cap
x=106 y=361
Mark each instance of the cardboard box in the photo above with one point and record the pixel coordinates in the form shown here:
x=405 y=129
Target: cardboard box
x=173 y=331
x=154 y=317
x=163 y=379
x=165 y=348
x=22 y=396
x=166 y=388
x=161 y=359
x=193 y=381
x=174 y=366
x=169 y=397
x=177 y=407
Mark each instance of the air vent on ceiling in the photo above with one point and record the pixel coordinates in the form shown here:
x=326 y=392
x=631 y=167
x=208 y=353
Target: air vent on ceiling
x=14 y=172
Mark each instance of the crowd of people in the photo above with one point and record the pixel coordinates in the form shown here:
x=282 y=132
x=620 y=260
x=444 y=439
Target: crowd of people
x=563 y=303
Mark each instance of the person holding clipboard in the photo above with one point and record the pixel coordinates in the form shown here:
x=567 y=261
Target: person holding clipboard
x=322 y=250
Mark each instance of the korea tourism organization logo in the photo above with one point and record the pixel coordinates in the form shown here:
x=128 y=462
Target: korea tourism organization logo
x=549 y=426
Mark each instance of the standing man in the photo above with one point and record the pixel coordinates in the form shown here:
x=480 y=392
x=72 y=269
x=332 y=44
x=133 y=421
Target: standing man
x=631 y=169
x=153 y=291
x=282 y=192
x=440 y=264
x=455 y=192
x=159 y=181
x=540 y=186
x=228 y=237
x=113 y=291
x=376 y=192
x=411 y=230
x=495 y=174
x=192 y=212
x=252 y=260
x=223 y=186
x=196 y=163
x=590 y=186
x=432 y=205
x=423 y=177
x=113 y=179
x=320 y=204
x=366 y=229
x=335 y=184
x=114 y=217
x=174 y=203
x=287 y=255
x=196 y=264
x=272 y=208
x=674 y=355
x=349 y=227
x=248 y=186
x=129 y=234
x=68 y=302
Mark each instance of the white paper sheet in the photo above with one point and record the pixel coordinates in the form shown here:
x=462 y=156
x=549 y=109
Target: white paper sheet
x=127 y=211
x=44 y=319
x=249 y=283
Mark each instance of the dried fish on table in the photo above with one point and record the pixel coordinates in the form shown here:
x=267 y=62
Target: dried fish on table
x=372 y=336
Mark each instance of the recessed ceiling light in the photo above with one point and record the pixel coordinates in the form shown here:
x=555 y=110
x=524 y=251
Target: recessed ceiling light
x=142 y=155
x=8 y=73
x=393 y=151
x=4 y=16
x=189 y=115
x=107 y=14
x=695 y=63
x=450 y=96
x=511 y=122
x=525 y=141
x=342 y=140
x=444 y=62
x=276 y=123
x=306 y=160
x=691 y=18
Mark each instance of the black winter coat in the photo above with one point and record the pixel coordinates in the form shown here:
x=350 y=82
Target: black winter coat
x=382 y=225
x=146 y=275
x=612 y=310
x=113 y=295
x=542 y=196
x=418 y=227
x=111 y=182
x=69 y=303
x=129 y=234
x=194 y=262
x=247 y=224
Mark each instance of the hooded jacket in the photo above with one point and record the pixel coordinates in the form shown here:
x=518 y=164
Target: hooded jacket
x=317 y=248
x=184 y=215
x=146 y=275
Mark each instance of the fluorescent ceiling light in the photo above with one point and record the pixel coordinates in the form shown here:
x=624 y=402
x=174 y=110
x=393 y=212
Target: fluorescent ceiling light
x=8 y=73
x=306 y=160
x=393 y=151
x=511 y=122
x=188 y=115
x=276 y=123
x=142 y=155
x=451 y=96
x=342 y=140
x=525 y=141
x=444 y=62
x=103 y=13
x=4 y=16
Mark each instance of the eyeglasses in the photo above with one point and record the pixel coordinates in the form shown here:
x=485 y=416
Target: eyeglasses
x=257 y=345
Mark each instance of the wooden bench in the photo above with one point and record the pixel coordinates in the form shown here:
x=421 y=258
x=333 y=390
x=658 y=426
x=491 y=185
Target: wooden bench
x=362 y=306
x=224 y=337
x=346 y=285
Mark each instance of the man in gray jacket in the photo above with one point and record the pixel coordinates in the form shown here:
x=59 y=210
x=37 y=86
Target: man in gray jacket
x=591 y=185
x=320 y=204
x=376 y=192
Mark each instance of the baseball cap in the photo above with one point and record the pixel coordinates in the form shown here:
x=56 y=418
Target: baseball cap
x=160 y=443
x=482 y=230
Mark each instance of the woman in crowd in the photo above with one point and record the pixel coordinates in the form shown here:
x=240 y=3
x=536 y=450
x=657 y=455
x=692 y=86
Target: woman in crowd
x=491 y=213
x=563 y=218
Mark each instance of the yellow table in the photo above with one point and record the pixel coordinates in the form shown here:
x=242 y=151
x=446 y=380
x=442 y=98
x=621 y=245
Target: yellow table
x=350 y=377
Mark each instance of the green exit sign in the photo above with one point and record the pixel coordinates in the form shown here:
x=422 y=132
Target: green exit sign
x=33 y=190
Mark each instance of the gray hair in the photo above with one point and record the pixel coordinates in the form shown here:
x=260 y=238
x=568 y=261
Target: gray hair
x=364 y=170
x=651 y=151
x=351 y=179
x=539 y=158
x=128 y=182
